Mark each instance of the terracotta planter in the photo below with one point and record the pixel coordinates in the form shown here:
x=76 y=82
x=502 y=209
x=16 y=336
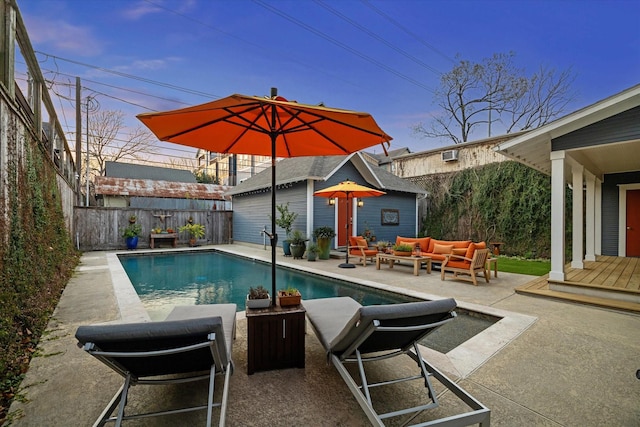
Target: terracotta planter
x=285 y=300
x=402 y=253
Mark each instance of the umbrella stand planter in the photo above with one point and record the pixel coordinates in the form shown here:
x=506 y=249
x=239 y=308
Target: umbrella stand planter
x=241 y=124
x=289 y=297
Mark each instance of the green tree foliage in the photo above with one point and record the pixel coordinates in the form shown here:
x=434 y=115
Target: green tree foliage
x=36 y=260
x=500 y=202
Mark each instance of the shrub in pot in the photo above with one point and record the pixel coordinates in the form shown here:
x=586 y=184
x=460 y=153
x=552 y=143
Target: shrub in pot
x=298 y=244
x=323 y=236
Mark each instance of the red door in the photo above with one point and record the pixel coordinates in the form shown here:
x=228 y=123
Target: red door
x=342 y=220
x=633 y=223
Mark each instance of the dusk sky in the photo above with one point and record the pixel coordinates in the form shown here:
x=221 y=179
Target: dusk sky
x=382 y=57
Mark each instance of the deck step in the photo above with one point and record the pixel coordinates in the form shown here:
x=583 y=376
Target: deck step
x=579 y=298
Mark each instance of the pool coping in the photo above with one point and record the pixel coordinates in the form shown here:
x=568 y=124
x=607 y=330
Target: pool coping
x=461 y=361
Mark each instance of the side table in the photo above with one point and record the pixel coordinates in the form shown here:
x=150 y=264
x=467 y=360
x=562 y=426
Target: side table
x=275 y=338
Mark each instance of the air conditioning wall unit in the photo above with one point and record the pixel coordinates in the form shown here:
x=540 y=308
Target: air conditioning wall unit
x=450 y=155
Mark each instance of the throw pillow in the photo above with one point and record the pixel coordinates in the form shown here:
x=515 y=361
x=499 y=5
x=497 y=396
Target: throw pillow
x=442 y=249
x=460 y=251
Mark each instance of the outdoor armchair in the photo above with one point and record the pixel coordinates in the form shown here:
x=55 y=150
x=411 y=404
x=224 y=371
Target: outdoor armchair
x=470 y=265
x=358 y=246
x=192 y=344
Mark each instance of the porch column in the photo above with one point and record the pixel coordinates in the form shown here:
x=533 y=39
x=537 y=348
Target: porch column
x=557 y=215
x=577 y=215
x=590 y=229
x=598 y=216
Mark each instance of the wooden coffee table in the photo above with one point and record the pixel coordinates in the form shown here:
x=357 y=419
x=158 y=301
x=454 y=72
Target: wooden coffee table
x=392 y=259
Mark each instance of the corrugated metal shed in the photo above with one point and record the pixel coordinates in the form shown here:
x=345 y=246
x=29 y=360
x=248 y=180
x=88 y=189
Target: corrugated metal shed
x=134 y=171
x=109 y=186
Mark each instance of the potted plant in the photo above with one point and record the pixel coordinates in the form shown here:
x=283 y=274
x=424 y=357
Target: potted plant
x=288 y=297
x=368 y=233
x=323 y=237
x=132 y=219
x=258 y=297
x=402 y=250
x=298 y=243
x=285 y=221
x=130 y=234
x=312 y=251
x=383 y=245
x=195 y=231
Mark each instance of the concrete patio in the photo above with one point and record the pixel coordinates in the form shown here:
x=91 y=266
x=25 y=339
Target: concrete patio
x=547 y=363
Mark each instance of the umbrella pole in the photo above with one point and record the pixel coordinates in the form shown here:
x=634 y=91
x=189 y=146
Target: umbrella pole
x=274 y=235
x=346 y=264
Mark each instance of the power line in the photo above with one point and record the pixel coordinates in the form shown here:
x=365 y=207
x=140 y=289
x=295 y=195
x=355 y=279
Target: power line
x=131 y=76
x=342 y=45
x=406 y=30
x=377 y=37
x=116 y=87
x=261 y=48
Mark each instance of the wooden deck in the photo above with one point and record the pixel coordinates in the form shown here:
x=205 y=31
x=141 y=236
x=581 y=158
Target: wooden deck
x=610 y=282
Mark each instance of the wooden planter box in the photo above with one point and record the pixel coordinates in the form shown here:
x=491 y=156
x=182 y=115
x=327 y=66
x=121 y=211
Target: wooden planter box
x=288 y=300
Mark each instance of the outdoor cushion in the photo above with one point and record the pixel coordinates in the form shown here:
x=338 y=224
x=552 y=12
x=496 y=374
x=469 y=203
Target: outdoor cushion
x=455 y=243
x=362 y=242
x=422 y=241
x=412 y=244
x=329 y=323
x=470 y=250
x=458 y=263
x=442 y=249
x=459 y=251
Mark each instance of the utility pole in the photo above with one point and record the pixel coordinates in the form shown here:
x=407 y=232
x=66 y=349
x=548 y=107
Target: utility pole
x=87 y=177
x=78 y=140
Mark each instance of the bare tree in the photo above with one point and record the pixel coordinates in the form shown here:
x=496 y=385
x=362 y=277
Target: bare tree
x=109 y=140
x=476 y=95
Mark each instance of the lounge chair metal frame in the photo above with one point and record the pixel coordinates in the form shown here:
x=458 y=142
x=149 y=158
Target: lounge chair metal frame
x=121 y=361
x=479 y=413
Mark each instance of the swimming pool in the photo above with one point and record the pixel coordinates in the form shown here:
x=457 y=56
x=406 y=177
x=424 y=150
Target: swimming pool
x=210 y=277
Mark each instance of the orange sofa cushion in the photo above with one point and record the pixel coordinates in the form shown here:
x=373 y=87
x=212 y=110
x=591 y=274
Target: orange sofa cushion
x=424 y=242
x=460 y=251
x=470 y=250
x=455 y=243
x=442 y=249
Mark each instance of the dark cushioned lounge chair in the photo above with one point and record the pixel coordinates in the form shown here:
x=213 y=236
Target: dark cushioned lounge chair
x=351 y=333
x=193 y=343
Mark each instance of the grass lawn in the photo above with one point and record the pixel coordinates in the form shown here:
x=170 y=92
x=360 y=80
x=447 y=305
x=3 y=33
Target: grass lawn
x=524 y=266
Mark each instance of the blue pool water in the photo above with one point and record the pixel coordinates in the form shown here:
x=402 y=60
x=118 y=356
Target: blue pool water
x=164 y=280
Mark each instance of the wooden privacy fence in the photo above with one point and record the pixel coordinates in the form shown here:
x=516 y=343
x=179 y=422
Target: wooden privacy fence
x=99 y=228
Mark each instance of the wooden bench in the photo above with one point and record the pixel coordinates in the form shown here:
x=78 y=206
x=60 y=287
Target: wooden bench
x=163 y=236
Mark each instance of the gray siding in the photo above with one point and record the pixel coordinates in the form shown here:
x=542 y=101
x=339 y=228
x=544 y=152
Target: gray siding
x=610 y=207
x=371 y=215
x=251 y=213
x=371 y=211
x=621 y=127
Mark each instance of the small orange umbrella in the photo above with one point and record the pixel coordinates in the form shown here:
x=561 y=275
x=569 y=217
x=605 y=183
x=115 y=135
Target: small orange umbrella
x=348 y=190
x=273 y=126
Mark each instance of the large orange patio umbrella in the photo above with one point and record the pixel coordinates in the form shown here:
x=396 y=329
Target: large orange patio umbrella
x=348 y=190
x=241 y=124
